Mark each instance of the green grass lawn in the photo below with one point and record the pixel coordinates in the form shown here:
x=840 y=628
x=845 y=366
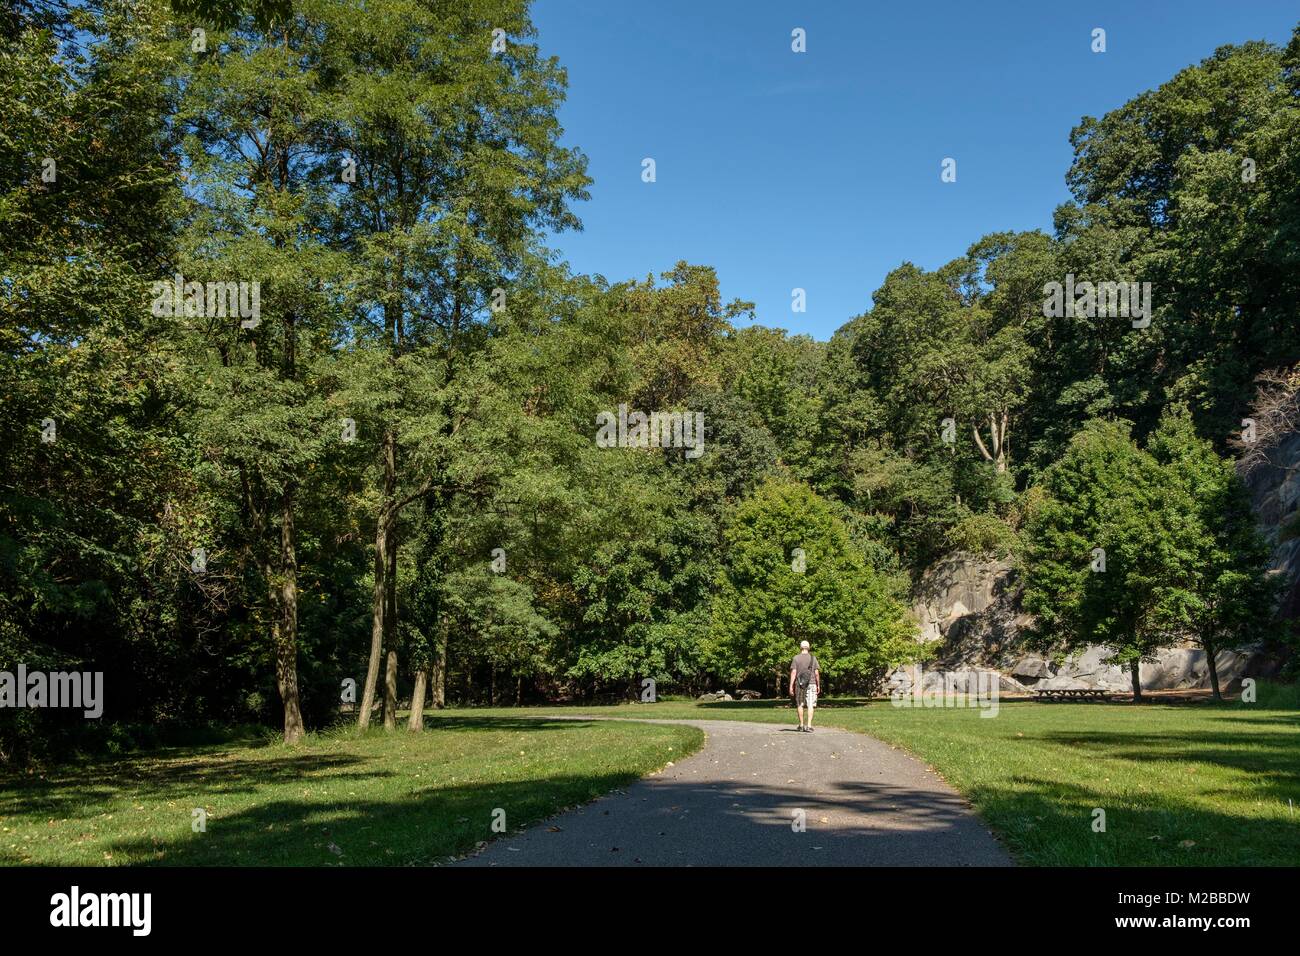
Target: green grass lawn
x=1181 y=784
x=336 y=799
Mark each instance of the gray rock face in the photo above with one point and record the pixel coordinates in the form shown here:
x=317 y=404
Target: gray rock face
x=954 y=589
x=714 y=696
x=1274 y=484
x=970 y=608
x=1064 y=683
x=1189 y=667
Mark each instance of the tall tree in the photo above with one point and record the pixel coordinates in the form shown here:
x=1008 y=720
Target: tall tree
x=448 y=115
x=1108 y=561
x=1193 y=186
x=1230 y=593
x=93 y=453
x=254 y=106
x=792 y=573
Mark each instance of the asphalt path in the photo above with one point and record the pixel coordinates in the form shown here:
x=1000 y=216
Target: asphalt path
x=766 y=795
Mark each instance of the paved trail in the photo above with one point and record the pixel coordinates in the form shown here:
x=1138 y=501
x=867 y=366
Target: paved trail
x=734 y=801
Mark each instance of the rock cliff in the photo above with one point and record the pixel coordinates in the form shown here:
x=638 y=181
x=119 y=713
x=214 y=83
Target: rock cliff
x=969 y=607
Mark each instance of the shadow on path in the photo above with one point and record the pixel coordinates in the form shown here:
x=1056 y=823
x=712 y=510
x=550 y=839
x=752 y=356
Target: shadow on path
x=764 y=795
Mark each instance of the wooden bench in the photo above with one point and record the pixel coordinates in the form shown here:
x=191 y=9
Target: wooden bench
x=1070 y=693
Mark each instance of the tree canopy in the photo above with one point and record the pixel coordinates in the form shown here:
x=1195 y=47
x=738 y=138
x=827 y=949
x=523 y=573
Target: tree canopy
x=297 y=394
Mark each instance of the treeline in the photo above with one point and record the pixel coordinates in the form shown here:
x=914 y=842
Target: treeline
x=296 y=395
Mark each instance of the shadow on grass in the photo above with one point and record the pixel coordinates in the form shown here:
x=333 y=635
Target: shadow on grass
x=88 y=788
x=1048 y=822
x=427 y=826
x=423 y=825
x=81 y=792
x=1271 y=760
x=450 y=720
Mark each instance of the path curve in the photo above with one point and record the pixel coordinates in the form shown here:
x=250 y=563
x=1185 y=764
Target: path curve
x=733 y=803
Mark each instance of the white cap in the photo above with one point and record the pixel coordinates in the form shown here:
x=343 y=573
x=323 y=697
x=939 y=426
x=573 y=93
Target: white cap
x=803 y=644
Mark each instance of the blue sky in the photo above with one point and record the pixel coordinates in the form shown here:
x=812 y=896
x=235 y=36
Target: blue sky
x=820 y=170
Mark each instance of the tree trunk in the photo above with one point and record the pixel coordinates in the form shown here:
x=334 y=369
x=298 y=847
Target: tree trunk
x=440 y=674
x=1210 y=654
x=390 y=689
x=417 y=700
x=286 y=636
x=1003 y=451
x=383 y=625
x=997 y=440
x=1134 y=672
x=378 y=604
x=381 y=599
x=390 y=632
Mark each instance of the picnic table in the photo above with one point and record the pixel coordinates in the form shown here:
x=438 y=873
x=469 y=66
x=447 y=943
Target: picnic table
x=1071 y=693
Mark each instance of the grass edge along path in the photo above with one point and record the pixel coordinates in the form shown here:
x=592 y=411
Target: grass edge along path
x=337 y=798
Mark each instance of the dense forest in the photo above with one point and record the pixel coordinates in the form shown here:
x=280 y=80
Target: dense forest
x=300 y=409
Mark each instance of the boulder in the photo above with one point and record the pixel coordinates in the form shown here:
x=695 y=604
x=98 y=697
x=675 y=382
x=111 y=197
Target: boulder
x=903 y=679
x=1009 y=685
x=1091 y=669
x=1063 y=683
x=1183 y=667
x=1177 y=668
x=1031 y=668
x=970 y=606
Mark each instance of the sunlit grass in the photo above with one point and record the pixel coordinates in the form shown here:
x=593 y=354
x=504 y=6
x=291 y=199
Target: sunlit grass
x=335 y=799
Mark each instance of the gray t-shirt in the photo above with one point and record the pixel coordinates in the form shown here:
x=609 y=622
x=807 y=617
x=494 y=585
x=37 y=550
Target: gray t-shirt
x=804 y=663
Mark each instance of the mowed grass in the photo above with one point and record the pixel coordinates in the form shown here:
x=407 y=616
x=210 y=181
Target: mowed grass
x=1181 y=784
x=335 y=799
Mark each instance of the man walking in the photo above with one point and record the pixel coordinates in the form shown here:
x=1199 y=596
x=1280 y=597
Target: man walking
x=805 y=683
